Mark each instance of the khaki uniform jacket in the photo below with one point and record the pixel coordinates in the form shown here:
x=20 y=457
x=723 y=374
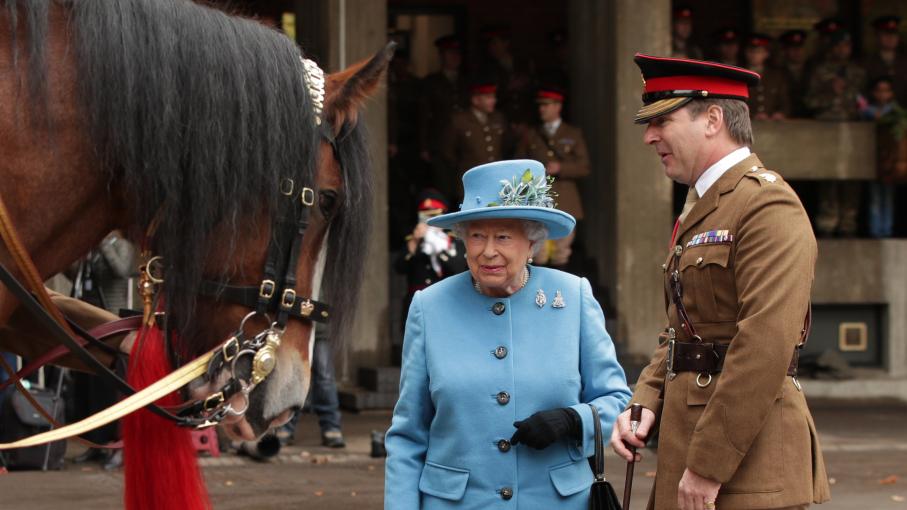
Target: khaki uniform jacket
x=467 y=143
x=568 y=147
x=750 y=428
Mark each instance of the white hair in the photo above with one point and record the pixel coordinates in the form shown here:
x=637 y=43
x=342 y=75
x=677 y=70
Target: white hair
x=535 y=231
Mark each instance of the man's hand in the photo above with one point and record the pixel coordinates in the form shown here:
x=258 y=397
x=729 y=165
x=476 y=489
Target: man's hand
x=695 y=492
x=622 y=433
x=553 y=167
x=413 y=240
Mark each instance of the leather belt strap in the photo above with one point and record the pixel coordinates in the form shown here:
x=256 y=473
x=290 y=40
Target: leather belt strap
x=707 y=358
x=301 y=307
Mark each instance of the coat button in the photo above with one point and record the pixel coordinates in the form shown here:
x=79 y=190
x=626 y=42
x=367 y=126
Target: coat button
x=506 y=493
x=500 y=352
x=504 y=445
x=498 y=308
x=503 y=398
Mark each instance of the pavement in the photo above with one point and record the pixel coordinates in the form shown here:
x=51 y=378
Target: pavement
x=865 y=446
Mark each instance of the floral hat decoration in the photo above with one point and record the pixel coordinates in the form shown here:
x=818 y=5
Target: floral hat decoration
x=512 y=189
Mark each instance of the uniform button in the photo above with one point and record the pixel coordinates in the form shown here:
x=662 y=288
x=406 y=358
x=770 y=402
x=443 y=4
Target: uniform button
x=504 y=445
x=506 y=493
x=489 y=148
x=503 y=398
x=550 y=153
x=664 y=268
x=485 y=129
x=487 y=138
x=500 y=352
x=427 y=281
x=498 y=308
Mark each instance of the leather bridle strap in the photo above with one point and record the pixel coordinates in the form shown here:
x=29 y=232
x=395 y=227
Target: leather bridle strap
x=302 y=307
x=57 y=331
x=95 y=337
x=145 y=398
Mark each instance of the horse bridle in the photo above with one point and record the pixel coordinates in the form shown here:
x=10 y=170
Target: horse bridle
x=275 y=294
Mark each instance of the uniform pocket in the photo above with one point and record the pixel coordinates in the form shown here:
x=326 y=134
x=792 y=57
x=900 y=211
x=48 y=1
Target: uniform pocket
x=570 y=478
x=443 y=481
x=707 y=282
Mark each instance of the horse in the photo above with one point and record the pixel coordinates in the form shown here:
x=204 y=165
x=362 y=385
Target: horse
x=200 y=133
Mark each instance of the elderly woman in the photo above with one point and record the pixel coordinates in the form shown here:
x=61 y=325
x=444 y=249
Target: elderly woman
x=502 y=363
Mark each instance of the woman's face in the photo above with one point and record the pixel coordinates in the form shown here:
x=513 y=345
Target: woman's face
x=497 y=252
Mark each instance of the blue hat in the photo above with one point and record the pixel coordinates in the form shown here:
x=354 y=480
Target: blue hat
x=512 y=189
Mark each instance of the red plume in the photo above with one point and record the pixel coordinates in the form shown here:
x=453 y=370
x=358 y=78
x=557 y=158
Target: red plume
x=161 y=470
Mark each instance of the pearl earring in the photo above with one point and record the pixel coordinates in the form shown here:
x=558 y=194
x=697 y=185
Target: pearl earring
x=530 y=260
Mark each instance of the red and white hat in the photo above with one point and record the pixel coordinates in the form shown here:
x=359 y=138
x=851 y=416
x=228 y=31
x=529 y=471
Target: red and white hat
x=670 y=83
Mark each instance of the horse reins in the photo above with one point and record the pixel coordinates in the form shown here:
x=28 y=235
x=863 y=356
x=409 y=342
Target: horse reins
x=274 y=294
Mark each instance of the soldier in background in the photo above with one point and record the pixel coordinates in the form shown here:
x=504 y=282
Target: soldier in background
x=407 y=173
x=826 y=28
x=727 y=45
x=888 y=60
x=475 y=136
x=834 y=90
x=513 y=76
x=836 y=83
x=443 y=92
x=769 y=99
x=562 y=149
x=556 y=67
x=681 y=32
x=793 y=63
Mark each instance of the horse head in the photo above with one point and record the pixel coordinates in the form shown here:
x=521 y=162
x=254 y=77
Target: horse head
x=328 y=265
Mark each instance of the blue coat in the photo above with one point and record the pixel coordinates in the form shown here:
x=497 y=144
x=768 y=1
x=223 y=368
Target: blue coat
x=469 y=373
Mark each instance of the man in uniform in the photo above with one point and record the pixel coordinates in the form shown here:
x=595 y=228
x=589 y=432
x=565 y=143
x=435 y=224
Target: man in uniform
x=443 y=92
x=473 y=137
x=888 y=60
x=735 y=430
x=727 y=45
x=795 y=71
x=562 y=149
x=834 y=89
x=769 y=99
x=681 y=32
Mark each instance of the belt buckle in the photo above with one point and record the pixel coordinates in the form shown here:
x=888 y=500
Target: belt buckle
x=671 y=374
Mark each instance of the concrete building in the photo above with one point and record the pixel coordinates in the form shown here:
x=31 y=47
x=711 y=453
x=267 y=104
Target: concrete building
x=860 y=292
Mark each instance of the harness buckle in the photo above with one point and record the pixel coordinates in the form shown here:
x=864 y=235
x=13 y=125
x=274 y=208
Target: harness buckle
x=218 y=397
x=706 y=383
x=288 y=299
x=286 y=186
x=307 y=196
x=266 y=291
x=230 y=349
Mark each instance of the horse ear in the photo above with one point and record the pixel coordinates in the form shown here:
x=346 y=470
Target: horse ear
x=348 y=89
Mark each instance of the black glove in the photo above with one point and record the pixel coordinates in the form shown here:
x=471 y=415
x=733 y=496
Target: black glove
x=545 y=427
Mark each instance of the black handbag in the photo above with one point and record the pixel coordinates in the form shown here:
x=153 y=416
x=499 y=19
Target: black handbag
x=601 y=495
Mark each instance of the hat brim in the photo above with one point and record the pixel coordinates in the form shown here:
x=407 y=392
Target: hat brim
x=558 y=223
x=659 y=108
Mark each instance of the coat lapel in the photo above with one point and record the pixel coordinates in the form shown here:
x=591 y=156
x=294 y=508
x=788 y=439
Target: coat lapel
x=709 y=202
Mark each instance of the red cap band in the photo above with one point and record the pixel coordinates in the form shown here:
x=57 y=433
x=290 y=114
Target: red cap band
x=430 y=203
x=484 y=89
x=550 y=94
x=713 y=84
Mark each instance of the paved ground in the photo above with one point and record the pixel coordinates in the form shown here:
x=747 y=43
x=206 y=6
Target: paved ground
x=865 y=447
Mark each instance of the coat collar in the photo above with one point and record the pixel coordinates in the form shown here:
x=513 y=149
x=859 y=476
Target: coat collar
x=709 y=202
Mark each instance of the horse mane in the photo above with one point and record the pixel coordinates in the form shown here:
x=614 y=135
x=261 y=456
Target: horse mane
x=199 y=115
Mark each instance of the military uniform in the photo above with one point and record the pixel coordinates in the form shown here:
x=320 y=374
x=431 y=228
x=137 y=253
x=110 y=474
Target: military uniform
x=771 y=95
x=471 y=140
x=741 y=267
x=442 y=95
x=568 y=147
x=877 y=67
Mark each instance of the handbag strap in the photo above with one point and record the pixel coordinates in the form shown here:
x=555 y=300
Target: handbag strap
x=599 y=461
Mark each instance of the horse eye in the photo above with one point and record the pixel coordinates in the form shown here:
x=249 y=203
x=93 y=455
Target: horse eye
x=327 y=200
